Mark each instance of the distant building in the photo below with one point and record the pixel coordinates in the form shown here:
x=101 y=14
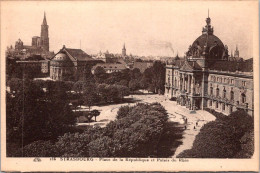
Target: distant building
x=124 y=51
x=43 y=66
x=236 y=56
x=109 y=67
x=142 y=66
x=106 y=57
x=39 y=46
x=208 y=78
x=71 y=64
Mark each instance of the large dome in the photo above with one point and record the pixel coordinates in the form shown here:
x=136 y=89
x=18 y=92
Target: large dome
x=211 y=41
x=208 y=45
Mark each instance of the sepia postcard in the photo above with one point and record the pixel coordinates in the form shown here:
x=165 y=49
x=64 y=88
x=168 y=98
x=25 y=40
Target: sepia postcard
x=129 y=86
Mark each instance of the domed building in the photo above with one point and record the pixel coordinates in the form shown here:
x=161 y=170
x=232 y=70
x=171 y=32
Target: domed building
x=70 y=64
x=206 y=78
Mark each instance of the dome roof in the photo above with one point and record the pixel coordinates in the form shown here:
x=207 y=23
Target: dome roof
x=212 y=40
x=208 y=45
x=61 y=57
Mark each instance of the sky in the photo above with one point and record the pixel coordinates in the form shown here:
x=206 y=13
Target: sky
x=158 y=28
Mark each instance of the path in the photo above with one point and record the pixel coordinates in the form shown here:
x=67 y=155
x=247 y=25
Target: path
x=176 y=113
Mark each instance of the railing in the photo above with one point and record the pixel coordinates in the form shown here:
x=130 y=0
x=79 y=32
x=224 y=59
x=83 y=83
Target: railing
x=237 y=72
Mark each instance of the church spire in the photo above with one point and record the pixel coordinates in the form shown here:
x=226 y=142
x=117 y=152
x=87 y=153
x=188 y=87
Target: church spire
x=124 y=50
x=236 y=53
x=44 y=22
x=44 y=34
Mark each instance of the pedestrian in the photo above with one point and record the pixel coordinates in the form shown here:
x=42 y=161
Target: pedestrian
x=197 y=123
x=194 y=127
x=185 y=127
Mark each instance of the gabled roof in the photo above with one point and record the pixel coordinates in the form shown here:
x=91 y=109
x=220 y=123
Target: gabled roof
x=190 y=66
x=177 y=63
x=78 y=54
x=75 y=54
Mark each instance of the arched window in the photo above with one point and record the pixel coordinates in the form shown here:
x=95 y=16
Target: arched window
x=224 y=93
x=210 y=102
x=216 y=104
x=175 y=82
x=243 y=98
x=231 y=95
x=211 y=90
x=223 y=106
x=217 y=92
x=231 y=109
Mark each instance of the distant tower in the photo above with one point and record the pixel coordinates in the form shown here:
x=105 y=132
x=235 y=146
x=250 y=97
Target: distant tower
x=124 y=51
x=236 y=53
x=44 y=34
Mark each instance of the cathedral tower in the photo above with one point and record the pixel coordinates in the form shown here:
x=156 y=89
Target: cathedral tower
x=44 y=34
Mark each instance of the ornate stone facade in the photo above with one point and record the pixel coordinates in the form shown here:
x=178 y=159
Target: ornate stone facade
x=207 y=79
x=70 y=64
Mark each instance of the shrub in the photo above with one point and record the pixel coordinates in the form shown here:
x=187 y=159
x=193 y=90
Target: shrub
x=221 y=138
x=40 y=149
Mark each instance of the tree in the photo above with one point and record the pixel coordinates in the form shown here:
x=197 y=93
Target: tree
x=34 y=115
x=144 y=83
x=135 y=73
x=78 y=86
x=158 y=79
x=100 y=74
x=95 y=113
x=40 y=149
x=221 y=138
x=133 y=85
x=101 y=147
x=99 y=71
x=123 y=82
x=90 y=94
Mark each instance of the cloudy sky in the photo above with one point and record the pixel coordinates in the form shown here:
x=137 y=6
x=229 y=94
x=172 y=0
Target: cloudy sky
x=147 y=28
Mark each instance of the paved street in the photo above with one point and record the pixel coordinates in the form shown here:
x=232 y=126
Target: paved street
x=176 y=112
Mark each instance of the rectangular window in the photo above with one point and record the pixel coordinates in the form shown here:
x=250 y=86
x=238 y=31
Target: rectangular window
x=232 y=81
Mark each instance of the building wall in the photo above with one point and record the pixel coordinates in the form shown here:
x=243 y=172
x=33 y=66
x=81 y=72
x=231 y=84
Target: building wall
x=238 y=85
x=169 y=83
x=241 y=84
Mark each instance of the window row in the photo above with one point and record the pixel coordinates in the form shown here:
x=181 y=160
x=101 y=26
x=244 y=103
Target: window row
x=221 y=79
x=224 y=94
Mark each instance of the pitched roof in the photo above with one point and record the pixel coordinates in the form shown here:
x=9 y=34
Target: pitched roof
x=232 y=66
x=178 y=63
x=108 y=66
x=190 y=66
x=78 y=54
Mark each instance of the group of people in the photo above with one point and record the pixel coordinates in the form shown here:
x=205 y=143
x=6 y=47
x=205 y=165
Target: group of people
x=186 y=123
